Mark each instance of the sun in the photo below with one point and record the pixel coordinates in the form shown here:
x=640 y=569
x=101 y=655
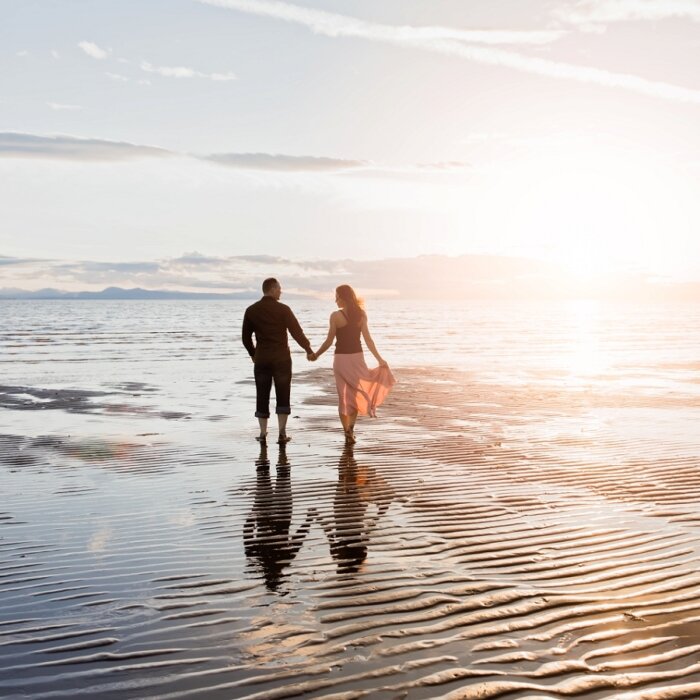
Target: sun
x=591 y=209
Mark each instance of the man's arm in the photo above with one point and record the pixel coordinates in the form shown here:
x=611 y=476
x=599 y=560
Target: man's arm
x=247 y=335
x=295 y=329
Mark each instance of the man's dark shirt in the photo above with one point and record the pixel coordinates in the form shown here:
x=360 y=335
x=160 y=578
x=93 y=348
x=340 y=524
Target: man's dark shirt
x=270 y=320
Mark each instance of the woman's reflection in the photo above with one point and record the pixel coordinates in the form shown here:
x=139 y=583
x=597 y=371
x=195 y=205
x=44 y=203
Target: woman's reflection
x=349 y=531
x=266 y=534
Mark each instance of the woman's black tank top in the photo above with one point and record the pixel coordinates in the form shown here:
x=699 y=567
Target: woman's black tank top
x=347 y=338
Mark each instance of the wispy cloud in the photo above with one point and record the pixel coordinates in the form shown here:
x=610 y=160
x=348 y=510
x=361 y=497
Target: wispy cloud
x=331 y=24
x=23 y=145
x=112 y=267
x=16 y=145
x=608 y=11
x=59 y=107
x=282 y=163
x=184 y=72
x=22 y=54
x=336 y=25
x=55 y=54
x=93 y=50
x=9 y=260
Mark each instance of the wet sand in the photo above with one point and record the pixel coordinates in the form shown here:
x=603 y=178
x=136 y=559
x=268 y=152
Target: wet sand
x=479 y=541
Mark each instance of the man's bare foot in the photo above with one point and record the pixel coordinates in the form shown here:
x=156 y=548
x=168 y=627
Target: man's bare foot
x=283 y=439
x=262 y=438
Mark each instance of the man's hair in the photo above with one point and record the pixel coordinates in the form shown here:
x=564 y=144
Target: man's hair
x=269 y=284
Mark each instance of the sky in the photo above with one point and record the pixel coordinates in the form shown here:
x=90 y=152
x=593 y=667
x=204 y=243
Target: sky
x=136 y=135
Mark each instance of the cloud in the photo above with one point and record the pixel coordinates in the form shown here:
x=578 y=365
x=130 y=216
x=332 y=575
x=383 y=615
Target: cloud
x=609 y=11
x=55 y=54
x=16 y=145
x=60 y=107
x=282 y=163
x=93 y=50
x=184 y=72
x=19 y=145
x=430 y=39
x=7 y=260
x=330 y=24
x=197 y=259
x=189 y=272
x=265 y=259
x=22 y=54
x=117 y=267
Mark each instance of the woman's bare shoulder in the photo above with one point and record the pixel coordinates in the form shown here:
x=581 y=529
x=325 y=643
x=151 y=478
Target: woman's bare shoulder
x=340 y=319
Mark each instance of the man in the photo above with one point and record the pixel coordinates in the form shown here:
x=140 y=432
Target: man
x=270 y=320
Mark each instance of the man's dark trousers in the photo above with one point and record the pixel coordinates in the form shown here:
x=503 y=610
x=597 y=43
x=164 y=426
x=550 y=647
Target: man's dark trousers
x=269 y=369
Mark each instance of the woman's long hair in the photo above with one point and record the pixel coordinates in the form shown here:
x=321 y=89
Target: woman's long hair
x=353 y=306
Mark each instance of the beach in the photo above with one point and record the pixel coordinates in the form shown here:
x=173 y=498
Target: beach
x=521 y=520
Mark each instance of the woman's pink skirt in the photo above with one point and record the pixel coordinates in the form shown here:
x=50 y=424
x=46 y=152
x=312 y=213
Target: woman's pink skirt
x=359 y=388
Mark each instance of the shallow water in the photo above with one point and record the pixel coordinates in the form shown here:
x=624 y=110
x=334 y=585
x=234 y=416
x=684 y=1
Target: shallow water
x=520 y=521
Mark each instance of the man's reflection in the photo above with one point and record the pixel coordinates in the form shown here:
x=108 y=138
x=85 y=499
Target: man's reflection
x=349 y=532
x=266 y=534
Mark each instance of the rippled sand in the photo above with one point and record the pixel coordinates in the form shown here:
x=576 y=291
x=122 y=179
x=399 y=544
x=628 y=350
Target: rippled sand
x=479 y=541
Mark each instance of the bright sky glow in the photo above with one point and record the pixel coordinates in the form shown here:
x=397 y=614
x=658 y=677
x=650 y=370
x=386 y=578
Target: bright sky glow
x=555 y=130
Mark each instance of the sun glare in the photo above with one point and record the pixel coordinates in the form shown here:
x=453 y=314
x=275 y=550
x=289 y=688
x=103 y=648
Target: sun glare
x=590 y=210
x=586 y=358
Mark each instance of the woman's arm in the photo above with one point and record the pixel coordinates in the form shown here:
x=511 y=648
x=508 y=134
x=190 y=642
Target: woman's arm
x=329 y=338
x=370 y=343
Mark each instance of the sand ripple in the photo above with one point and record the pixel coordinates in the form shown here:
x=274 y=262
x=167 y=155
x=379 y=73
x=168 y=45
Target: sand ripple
x=481 y=543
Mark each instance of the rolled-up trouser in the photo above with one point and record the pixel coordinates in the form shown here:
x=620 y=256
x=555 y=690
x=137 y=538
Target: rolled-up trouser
x=267 y=371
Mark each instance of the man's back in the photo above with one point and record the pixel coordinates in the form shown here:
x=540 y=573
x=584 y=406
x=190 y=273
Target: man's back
x=269 y=319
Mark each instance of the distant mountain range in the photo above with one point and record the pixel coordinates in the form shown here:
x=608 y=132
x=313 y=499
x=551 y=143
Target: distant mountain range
x=424 y=277
x=119 y=293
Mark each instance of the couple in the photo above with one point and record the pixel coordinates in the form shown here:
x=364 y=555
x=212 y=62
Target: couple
x=360 y=390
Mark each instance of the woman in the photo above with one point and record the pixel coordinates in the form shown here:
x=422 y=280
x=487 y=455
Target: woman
x=360 y=390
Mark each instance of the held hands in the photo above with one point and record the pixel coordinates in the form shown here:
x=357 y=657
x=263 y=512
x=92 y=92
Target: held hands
x=311 y=356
